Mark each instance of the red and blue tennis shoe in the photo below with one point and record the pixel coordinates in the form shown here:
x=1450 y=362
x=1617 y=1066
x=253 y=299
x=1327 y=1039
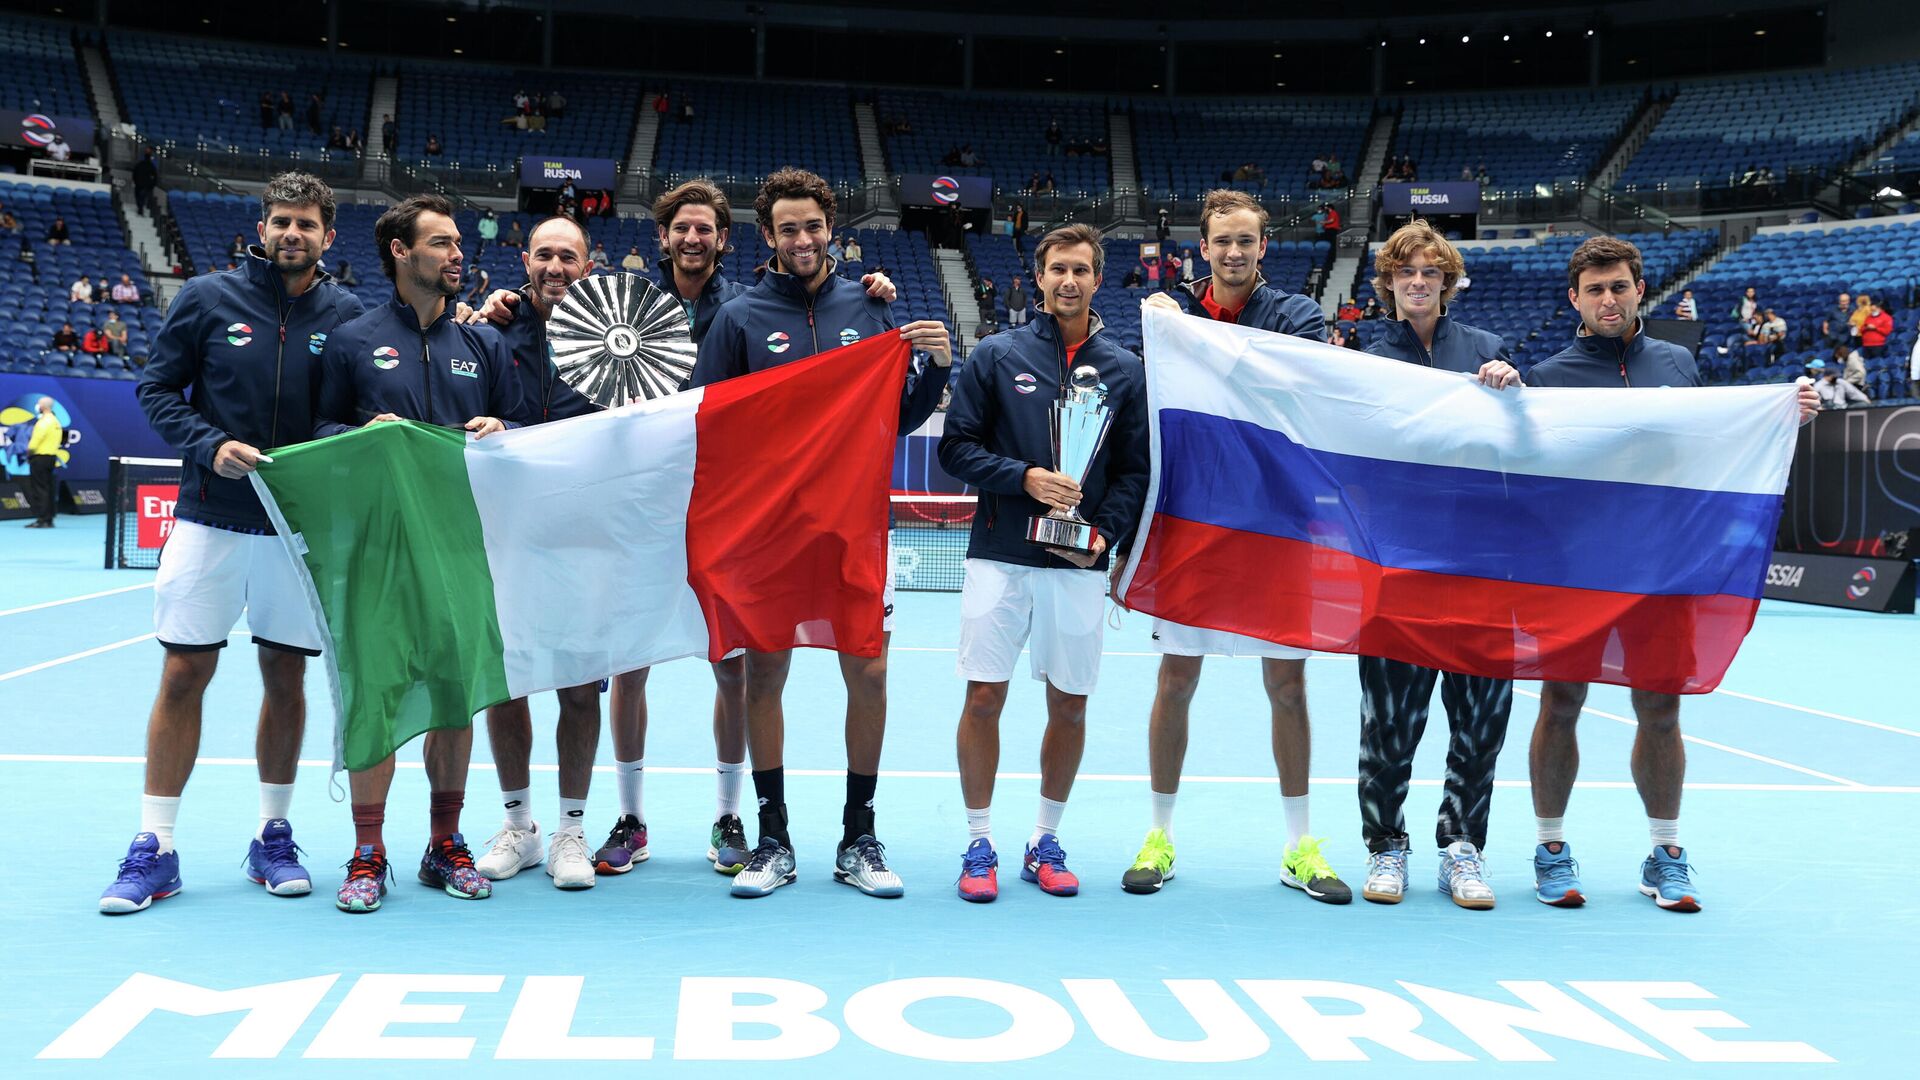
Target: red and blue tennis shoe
x=146 y=874
x=979 y=879
x=1046 y=866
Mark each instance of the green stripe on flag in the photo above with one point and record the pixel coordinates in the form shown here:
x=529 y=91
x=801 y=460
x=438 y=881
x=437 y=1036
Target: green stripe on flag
x=399 y=565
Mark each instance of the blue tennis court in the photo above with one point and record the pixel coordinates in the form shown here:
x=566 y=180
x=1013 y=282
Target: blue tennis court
x=1803 y=785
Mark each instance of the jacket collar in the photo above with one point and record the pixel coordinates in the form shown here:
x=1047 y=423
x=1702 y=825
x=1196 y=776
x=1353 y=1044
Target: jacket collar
x=1612 y=348
x=405 y=313
x=793 y=288
x=259 y=270
x=1048 y=327
x=1198 y=287
x=715 y=282
x=1401 y=332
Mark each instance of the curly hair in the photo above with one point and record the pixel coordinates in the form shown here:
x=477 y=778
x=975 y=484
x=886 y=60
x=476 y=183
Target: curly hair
x=791 y=183
x=1416 y=237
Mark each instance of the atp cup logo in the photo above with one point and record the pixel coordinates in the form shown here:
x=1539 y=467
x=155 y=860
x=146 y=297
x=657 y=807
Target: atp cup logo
x=38 y=130
x=1025 y=383
x=946 y=190
x=849 y=336
x=1862 y=583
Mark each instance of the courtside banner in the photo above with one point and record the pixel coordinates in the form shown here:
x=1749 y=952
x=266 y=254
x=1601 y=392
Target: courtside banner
x=1326 y=499
x=450 y=574
x=1443 y=197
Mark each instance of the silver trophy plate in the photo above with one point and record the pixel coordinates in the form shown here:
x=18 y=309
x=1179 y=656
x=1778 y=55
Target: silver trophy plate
x=619 y=338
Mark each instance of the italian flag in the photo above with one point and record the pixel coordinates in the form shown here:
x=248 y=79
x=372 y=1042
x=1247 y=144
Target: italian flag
x=450 y=574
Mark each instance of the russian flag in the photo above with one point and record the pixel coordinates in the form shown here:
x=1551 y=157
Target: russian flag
x=450 y=574
x=1326 y=499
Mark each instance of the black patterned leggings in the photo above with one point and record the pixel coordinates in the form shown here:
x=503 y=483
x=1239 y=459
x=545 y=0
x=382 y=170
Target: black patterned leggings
x=1393 y=715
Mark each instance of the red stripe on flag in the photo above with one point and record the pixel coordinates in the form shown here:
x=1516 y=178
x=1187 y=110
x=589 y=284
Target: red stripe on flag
x=1308 y=596
x=787 y=526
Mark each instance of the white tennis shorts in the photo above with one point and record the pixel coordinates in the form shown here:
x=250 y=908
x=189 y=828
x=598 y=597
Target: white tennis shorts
x=1175 y=639
x=1061 y=610
x=209 y=576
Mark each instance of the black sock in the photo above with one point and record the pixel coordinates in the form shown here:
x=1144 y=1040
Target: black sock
x=770 y=786
x=857 y=818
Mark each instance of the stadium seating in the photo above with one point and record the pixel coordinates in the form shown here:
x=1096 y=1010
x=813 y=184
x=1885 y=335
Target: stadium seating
x=1007 y=132
x=747 y=131
x=190 y=91
x=1799 y=273
x=465 y=106
x=1186 y=147
x=39 y=71
x=1714 y=132
x=1520 y=291
x=1523 y=139
x=34 y=294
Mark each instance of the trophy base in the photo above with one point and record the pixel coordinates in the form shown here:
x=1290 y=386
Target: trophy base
x=1062 y=533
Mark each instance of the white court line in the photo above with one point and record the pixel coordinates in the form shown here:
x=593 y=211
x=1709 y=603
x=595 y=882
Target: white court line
x=949 y=774
x=76 y=599
x=1710 y=744
x=45 y=664
x=1820 y=712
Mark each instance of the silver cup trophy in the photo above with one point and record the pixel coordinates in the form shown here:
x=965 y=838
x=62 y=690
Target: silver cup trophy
x=619 y=338
x=1080 y=421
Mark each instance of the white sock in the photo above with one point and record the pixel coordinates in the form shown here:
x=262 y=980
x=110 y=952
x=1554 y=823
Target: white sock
x=157 y=815
x=275 y=801
x=1295 y=808
x=1048 y=821
x=1163 y=812
x=519 y=806
x=732 y=775
x=978 y=825
x=573 y=815
x=1551 y=830
x=1664 y=831
x=630 y=774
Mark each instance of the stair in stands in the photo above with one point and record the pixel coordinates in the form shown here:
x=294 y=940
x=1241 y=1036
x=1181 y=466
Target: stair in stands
x=1128 y=201
x=958 y=285
x=1630 y=143
x=1352 y=251
x=646 y=133
x=381 y=103
x=873 y=154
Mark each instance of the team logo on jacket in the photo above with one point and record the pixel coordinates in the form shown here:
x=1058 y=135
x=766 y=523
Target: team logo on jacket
x=778 y=342
x=386 y=358
x=466 y=369
x=239 y=334
x=316 y=343
x=1025 y=383
x=849 y=336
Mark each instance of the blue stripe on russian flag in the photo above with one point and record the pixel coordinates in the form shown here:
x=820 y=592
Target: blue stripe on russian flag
x=1586 y=534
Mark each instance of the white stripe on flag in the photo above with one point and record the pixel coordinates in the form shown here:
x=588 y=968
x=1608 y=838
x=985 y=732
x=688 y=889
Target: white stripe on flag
x=611 y=538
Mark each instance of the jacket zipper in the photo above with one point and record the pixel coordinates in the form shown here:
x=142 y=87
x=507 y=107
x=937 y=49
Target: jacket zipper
x=426 y=374
x=279 y=362
x=811 y=332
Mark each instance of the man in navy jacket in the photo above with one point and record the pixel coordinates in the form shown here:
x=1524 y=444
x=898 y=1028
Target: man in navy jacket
x=1416 y=274
x=228 y=381
x=801 y=307
x=1605 y=286
x=411 y=359
x=999 y=439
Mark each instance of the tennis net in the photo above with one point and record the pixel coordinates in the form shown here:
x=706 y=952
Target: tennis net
x=140 y=498
x=930 y=540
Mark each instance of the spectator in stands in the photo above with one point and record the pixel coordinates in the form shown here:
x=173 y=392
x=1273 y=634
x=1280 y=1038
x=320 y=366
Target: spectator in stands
x=238 y=249
x=1773 y=331
x=1481 y=174
x=986 y=293
x=969 y=159
x=94 y=342
x=1132 y=279
x=1153 y=272
x=1834 y=328
x=65 y=340
x=1336 y=172
x=660 y=107
x=837 y=251
x=598 y=256
x=1054 y=137
x=522 y=104
x=1019 y=219
x=1349 y=312
x=1748 y=305
x=356 y=143
x=125 y=291
x=1170 y=267
x=9 y=223
x=116 y=332
x=389 y=135
x=514 y=236
x=569 y=193
x=146 y=177
x=346 y=276
x=686 y=111
x=284 y=111
x=1835 y=392
x=1874 y=331
x=1372 y=310
x=1016 y=303
x=336 y=139
x=1753 y=328
x=1466 y=172
x=266 y=111
x=316 y=119
x=1410 y=167
x=1343 y=339
x=853 y=250
x=1329 y=221
x=434 y=147
x=57 y=234
x=1853 y=366
x=81 y=292
x=1686 y=308
x=1186 y=266
x=1858 y=316
x=489 y=230
x=1317 y=172
x=556 y=104
x=478 y=281
x=634 y=262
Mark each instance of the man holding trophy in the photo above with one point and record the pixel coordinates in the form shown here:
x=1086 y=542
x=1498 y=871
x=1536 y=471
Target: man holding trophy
x=1055 y=390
